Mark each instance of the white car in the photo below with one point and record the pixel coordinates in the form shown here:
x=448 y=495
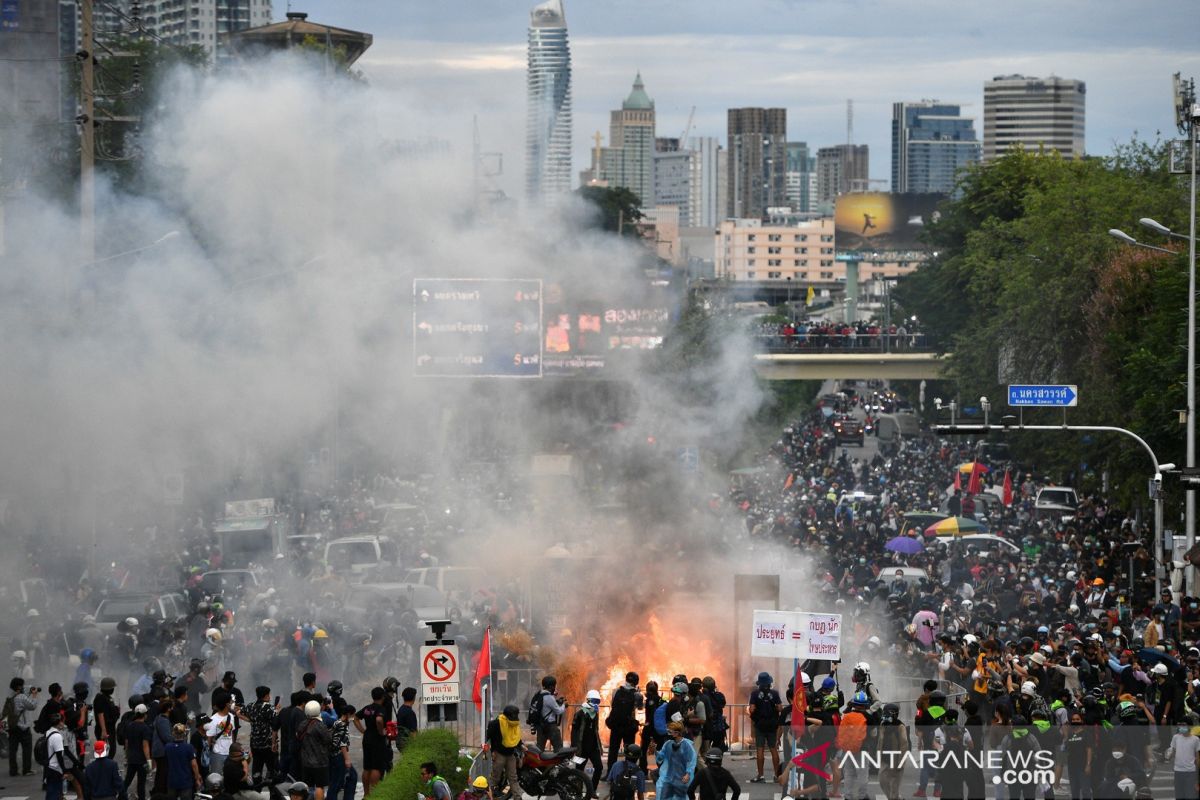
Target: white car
x=1058 y=502
x=988 y=541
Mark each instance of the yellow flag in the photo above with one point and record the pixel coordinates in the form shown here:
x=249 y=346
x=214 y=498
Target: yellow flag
x=808 y=301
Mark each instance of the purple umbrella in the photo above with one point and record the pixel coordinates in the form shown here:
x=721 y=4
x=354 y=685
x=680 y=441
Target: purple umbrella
x=904 y=544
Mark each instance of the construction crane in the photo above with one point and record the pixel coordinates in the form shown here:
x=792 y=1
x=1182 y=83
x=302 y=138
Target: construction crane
x=687 y=129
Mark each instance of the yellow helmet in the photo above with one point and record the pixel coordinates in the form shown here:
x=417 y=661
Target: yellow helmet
x=320 y=634
x=480 y=783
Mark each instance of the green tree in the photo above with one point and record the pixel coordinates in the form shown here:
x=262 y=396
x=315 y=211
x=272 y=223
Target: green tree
x=619 y=208
x=1027 y=287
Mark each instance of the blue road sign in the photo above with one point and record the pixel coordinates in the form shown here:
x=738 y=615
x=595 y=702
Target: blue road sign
x=1058 y=396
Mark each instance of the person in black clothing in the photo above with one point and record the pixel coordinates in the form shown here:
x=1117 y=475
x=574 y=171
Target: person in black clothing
x=626 y=778
x=651 y=740
x=622 y=720
x=503 y=740
x=179 y=711
x=52 y=710
x=137 y=751
x=286 y=722
x=261 y=714
x=406 y=717
x=585 y=737
x=714 y=781
x=195 y=685
x=371 y=721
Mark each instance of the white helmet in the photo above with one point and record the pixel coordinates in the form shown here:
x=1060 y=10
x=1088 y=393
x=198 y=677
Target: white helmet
x=873 y=641
x=1070 y=574
x=1029 y=688
x=131 y=622
x=593 y=694
x=312 y=709
x=970 y=638
x=967 y=605
x=804 y=678
x=1159 y=669
x=212 y=635
x=1074 y=609
x=19 y=655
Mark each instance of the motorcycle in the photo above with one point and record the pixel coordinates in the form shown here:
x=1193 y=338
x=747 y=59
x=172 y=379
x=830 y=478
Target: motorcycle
x=548 y=773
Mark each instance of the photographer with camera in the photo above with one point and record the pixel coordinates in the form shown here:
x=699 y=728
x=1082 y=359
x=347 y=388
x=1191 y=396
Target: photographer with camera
x=17 y=710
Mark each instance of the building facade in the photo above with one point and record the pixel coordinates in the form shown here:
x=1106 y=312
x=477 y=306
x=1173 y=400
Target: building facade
x=629 y=159
x=203 y=22
x=1034 y=113
x=841 y=169
x=802 y=252
x=673 y=182
x=757 y=161
x=931 y=143
x=548 y=111
x=801 y=178
x=707 y=202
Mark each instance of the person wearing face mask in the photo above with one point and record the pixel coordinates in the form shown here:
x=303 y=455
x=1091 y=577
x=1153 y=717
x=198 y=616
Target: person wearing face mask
x=1079 y=750
x=1184 y=755
x=676 y=765
x=1122 y=769
x=1189 y=619
x=585 y=736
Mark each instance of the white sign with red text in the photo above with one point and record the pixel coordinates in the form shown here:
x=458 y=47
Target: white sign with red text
x=796 y=634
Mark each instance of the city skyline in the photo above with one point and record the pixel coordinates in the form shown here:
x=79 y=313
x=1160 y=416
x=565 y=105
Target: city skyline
x=808 y=57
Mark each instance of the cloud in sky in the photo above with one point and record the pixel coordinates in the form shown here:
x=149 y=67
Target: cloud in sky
x=806 y=55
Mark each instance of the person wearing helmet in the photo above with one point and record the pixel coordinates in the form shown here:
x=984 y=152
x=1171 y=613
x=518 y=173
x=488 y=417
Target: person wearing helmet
x=893 y=738
x=83 y=673
x=717 y=726
x=585 y=736
x=299 y=791
x=764 y=708
x=862 y=683
x=1169 y=708
x=652 y=736
x=477 y=789
x=503 y=740
x=315 y=743
x=626 y=779
x=851 y=737
x=212 y=651
x=196 y=684
x=1026 y=699
x=622 y=716
x=546 y=712
x=713 y=780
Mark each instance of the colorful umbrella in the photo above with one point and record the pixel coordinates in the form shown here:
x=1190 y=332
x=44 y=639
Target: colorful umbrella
x=904 y=544
x=970 y=465
x=954 y=526
x=918 y=521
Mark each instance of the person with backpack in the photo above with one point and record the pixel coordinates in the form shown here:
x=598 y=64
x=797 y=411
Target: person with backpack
x=654 y=732
x=626 y=780
x=134 y=735
x=52 y=710
x=763 y=708
x=585 y=737
x=698 y=712
x=546 y=711
x=927 y=722
x=20 y=735
x=183 y=765
x=315 y=742
x=51 y=753
x=622 y=718
x=220 y=736
x=102 y=777
x=851 y=734
x=717 y=726
x=894 y=741
x=77 y=714
x=714 y=782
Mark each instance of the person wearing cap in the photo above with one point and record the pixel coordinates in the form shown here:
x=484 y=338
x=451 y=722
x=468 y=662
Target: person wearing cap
x=477 y=790
x=102 y=777
x=503 y=740
x=763 y=708
x=585 y=736
x=20 y=734
x=137 y=751
x=183 y=765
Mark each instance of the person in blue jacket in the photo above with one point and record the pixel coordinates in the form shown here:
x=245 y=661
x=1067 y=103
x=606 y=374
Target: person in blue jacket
x=676 y=764
x=102 y=777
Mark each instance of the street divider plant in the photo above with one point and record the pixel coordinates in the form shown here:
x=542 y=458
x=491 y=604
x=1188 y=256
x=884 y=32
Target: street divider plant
x=435 y=744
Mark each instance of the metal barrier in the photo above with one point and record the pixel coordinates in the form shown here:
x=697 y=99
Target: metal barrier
x=857 y=343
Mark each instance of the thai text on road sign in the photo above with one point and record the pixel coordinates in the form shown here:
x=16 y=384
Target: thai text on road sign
x=1043 y=395
x=796 y=634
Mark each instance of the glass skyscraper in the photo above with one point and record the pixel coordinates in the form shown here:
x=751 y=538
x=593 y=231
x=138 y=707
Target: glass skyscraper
x=548 y=116
x=931 y=142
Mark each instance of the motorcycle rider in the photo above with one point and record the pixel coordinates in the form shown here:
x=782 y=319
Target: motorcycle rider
x=503 y=741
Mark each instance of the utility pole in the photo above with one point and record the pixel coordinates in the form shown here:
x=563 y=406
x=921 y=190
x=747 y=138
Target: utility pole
x=87 y=134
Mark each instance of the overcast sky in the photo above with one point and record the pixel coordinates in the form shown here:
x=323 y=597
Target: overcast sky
x=449 y=61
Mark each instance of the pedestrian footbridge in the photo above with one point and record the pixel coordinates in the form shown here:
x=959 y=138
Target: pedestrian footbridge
x=822 y=365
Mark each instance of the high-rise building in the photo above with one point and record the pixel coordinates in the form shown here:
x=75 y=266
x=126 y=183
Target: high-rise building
x=757 y=161
x=628 y=160
x=548 y=112
x=801 y=178
x=1034 y=113
x=707 y=204
x=931 y=142
x=206 y=23
x=841 y=169
x=673 y=182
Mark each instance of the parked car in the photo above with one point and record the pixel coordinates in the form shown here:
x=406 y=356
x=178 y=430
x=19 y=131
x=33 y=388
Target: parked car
x=458 y=583
x=362 y=553
x=988 y=541
x=143 y=606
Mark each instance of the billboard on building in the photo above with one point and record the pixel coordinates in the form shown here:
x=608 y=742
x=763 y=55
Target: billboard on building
x=477 y=327
x=882 y=222
x=589 y=332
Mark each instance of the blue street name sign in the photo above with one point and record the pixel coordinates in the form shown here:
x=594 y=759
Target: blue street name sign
x=1060 y=396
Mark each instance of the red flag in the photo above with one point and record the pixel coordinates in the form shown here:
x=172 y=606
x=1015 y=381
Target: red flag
x=799 y=703
x=975 y=485
x=957 y=480
x=483 y=669
x=1007 y=488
